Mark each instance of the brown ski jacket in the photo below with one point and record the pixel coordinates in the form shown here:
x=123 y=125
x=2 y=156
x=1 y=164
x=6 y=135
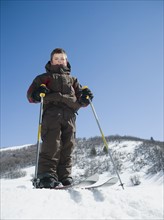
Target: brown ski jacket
x=65 y=90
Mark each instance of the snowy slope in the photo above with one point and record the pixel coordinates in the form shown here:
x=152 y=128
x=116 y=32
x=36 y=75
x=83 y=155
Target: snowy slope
x=20 y=201
x=15 y=147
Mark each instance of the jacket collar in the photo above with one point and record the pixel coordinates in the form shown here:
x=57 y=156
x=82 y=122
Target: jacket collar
x=61 y=69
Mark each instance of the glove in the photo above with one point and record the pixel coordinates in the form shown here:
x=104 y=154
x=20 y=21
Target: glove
x=86 y=93
x=42 y=89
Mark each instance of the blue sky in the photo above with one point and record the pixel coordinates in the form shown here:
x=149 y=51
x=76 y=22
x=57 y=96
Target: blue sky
x=114 y=47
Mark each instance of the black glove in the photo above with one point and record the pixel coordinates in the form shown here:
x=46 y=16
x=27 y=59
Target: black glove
x=42 y=89
x=86 y=93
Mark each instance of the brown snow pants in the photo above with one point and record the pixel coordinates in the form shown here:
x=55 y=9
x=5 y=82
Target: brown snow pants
x=58 y=140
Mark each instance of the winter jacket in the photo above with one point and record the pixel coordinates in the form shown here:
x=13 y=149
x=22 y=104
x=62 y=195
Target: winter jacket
x=65 y=90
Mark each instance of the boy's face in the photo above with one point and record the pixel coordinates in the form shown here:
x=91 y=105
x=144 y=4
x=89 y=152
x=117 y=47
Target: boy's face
x=59 y=58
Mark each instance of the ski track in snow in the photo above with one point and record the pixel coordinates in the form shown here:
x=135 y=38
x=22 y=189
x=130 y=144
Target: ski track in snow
x=20 y=201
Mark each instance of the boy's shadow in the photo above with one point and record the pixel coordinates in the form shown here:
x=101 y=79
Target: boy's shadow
x=77 y=196
x=98 y=196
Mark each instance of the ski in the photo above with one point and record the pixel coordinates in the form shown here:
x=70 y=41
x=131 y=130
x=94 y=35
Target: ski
x=88 y=181
x=101 y=183
x=92 y=182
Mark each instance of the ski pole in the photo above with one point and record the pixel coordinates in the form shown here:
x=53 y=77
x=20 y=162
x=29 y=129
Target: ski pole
x=103 y=138
x=42 y=95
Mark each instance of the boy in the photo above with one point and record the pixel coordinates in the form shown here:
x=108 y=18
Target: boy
x=64 y=97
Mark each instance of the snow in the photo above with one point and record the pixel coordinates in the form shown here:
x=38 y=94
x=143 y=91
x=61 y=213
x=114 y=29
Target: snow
x=20 y=201
x=15 y=147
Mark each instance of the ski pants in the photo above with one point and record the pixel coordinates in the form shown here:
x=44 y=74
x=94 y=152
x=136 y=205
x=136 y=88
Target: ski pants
x=58 y=140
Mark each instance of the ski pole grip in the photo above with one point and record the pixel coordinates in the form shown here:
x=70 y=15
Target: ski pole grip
x=85 y=87
x=42 y=94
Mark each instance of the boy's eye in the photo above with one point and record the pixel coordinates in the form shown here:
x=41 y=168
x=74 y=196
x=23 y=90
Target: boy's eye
x=60 y=59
